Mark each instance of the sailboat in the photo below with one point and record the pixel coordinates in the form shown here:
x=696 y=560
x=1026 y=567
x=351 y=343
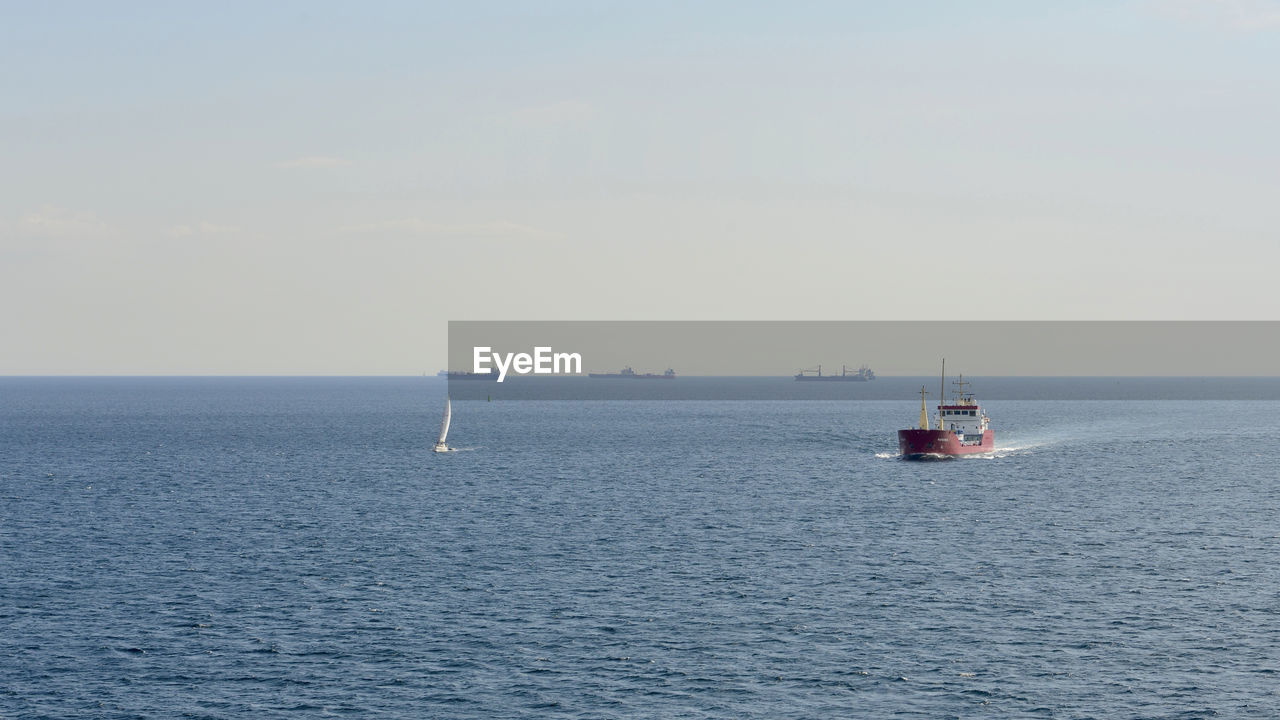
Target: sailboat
x=444 y=428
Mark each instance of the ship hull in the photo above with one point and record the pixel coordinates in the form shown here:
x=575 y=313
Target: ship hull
x=830 y=378
x=608 y=376
x=939 y=444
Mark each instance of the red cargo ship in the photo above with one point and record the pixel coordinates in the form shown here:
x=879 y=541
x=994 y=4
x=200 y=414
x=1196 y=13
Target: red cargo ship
x=963 y=428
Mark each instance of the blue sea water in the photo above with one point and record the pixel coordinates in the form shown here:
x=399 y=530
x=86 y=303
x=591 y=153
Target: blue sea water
x=217 y=548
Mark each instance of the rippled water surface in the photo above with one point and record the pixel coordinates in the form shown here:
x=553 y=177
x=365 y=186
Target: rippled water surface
x=287 y=547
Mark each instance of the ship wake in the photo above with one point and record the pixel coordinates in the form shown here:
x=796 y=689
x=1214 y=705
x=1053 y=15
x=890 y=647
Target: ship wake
x=1022 y=448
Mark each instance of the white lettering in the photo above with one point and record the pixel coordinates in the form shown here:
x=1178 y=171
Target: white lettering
x=543 y=361
x=502 y=366
x=568 y=358
x=541 y=355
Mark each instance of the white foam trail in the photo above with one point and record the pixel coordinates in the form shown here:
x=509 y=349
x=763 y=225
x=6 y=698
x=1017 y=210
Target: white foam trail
x=1001 y=451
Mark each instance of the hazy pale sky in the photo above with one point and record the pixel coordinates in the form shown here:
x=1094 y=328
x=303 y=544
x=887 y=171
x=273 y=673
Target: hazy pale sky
x=318 y=187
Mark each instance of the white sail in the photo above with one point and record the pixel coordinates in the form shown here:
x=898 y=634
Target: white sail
x=444 y=424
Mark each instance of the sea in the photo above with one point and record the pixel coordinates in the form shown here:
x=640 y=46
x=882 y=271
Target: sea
x=291 y=547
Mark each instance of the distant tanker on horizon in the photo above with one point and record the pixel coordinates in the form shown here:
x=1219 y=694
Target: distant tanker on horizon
x=862 y=374
x=628 y=374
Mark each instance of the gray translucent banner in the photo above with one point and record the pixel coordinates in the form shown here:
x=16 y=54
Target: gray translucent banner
x=860 y=359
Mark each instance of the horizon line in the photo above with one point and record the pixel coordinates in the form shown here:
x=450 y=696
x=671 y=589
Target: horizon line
x=584 y=376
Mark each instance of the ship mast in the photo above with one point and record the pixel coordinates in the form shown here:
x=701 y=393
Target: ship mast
x=942 y=391
x=924 y=413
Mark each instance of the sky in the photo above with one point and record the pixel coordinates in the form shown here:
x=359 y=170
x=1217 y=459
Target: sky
x=319 y=187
